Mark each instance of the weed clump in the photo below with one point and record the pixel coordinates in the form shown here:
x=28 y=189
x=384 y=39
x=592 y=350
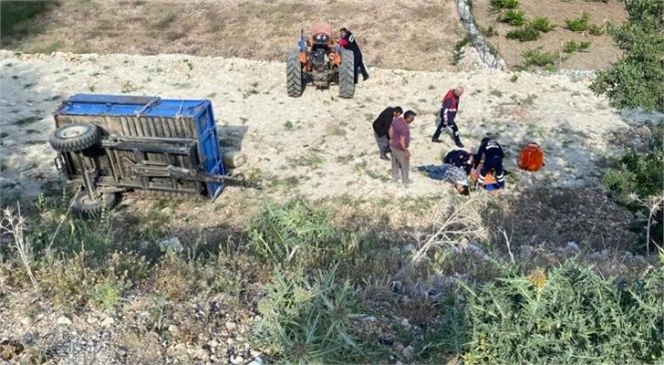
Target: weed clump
x=579 y=24
x=514 y=17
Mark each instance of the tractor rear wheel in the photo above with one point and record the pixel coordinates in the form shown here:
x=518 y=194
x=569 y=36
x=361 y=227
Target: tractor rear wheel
x=294 y=74
x=347 y=75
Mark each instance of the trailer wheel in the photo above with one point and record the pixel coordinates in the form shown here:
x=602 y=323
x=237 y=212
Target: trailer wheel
x=347 y=74
x=75 y=137
x=84 y=207
x=294 y=74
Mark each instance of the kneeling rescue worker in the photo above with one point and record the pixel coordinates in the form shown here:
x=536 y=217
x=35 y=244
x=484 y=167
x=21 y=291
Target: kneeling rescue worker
x=490 y=155
x=460 y=158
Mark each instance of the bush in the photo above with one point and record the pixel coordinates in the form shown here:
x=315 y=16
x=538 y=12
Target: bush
x=504 y=4
x=12 y=13
x=542 y=24
x=596 y=30
x=525 y=34
x=569 y=315
x=514 y=17
x=573 y=46
x=637 y=181
x=294 y=232
x=637 y=80
x=310 y=321
x=537 y=57
x=579 y=24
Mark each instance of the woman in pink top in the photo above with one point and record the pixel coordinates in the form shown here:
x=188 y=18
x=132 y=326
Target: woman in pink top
x=399 y=143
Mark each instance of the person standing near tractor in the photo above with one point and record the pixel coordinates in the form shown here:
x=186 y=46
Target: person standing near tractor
x=347 y=41
x=399 y=143
x=381 y=127
x=448 y=114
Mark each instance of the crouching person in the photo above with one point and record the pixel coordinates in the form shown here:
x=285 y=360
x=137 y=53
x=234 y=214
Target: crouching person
x=460 y=158
x=490 y=156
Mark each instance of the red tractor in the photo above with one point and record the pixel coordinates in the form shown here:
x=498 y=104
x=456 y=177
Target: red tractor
x=320 y=61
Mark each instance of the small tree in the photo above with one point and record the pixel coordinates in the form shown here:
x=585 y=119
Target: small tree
x=637 y=80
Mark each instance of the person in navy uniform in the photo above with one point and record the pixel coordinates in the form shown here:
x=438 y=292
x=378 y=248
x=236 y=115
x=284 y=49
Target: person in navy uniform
x=348 y=42
x=490 y=155
x=460 y=158
x=447 y=114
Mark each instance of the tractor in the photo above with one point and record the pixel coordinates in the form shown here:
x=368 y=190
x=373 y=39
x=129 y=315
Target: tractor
x=320 y=61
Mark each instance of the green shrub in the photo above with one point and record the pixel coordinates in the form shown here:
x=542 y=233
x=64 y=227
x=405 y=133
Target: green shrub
x=573 y=46
x=569 y=315
x=457 y=50
x=490 y=31
x=537 y=57
x=636 y=181
x=514 y=17
x=579 y=24
x=13 y=13
x=310 y=321
x=295 y=231
x=542 y=24
x=504 y=4
x=596 y=30
x=525 y=34
x=637 y=80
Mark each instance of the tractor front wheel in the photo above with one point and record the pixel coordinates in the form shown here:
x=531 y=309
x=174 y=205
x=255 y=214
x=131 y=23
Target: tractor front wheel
x=294 y=74
x=347 y=75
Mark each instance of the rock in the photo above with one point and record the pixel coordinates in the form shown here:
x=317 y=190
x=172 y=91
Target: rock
x=405 y=323
x=107 y=322
x=167 y=211
x=369 y=319
x=398 y=363
x=173 y=329
x=26 y=321
x=573 y=245
x=91 y=320
x=172 y=244
x=236 y=360
x=408 y=248
x=258 y=360
x=63 y=321
x=231 y=326
x=213 y=344
x=408 y=352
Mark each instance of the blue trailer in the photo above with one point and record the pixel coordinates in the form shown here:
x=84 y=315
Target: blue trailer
x=111 y=144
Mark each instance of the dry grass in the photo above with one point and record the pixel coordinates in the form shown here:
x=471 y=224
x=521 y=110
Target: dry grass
x=415 y=35
x=601 y=53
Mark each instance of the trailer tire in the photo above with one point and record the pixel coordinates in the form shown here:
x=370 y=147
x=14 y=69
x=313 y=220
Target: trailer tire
x=294 y=80
x=84 y=207
x=347 y=74
x=75 y=137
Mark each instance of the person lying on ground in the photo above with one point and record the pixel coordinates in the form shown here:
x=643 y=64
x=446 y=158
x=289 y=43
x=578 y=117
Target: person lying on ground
x=450 y=174
x=381 y=127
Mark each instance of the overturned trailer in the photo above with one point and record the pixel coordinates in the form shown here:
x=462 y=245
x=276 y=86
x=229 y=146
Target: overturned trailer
x=112 y=144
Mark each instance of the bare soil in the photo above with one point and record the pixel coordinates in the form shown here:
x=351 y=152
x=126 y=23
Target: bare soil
x=601 y=53
x=412 y=35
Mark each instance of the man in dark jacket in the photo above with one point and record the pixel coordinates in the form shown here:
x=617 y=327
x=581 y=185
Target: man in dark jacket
x=447 y=114
x=460 y=158
x=348 y=42
x=381 y=127
x=490 y=155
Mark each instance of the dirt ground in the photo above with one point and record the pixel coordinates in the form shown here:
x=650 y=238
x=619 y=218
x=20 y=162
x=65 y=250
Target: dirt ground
x=601 y=53
x=317 y=145
x=412 y=35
